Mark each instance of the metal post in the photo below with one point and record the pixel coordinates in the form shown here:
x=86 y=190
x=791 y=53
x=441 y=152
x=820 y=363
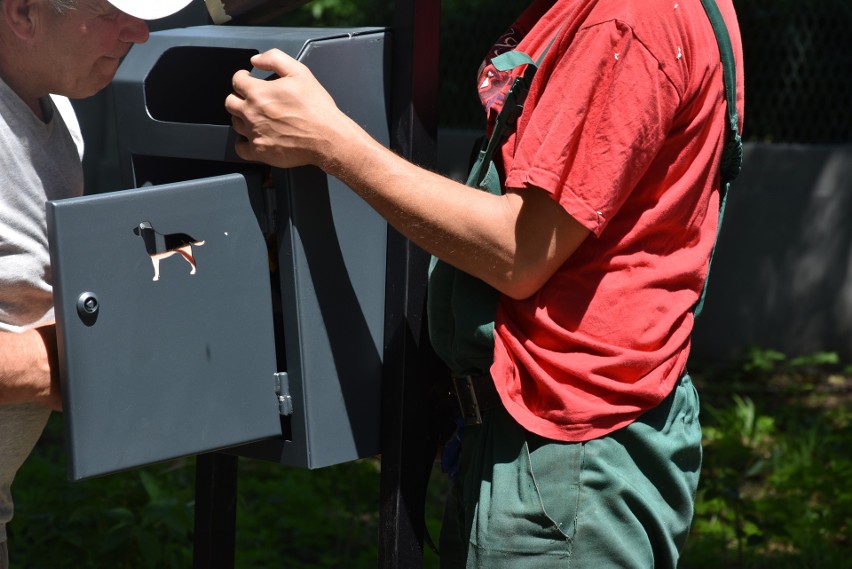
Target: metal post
x=215 y=511
x=406 y=456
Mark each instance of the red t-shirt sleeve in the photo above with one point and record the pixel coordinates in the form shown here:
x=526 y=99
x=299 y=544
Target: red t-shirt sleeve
x=603 y=113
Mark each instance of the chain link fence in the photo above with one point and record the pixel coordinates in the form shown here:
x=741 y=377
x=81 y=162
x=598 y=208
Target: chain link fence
x=798 y=65
x=797 y=57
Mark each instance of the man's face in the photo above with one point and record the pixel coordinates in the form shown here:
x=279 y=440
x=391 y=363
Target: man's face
x=84 y=46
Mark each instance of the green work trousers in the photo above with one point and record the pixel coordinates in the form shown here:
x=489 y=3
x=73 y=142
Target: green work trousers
x=623 y=501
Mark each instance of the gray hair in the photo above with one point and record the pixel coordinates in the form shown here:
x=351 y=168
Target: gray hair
x=62 y=6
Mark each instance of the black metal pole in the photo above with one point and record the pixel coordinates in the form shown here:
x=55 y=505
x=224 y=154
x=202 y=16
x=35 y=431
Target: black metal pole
x=215 y=511
x=406 y=459
x=405 y=465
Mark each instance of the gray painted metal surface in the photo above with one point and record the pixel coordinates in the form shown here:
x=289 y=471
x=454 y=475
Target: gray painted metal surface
x=155 y=369
x=327 y=248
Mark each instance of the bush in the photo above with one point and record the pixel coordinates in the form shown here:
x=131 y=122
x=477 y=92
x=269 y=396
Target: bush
x=135 y=519
x=775 y=492
x=286 y=517
x=776 y=487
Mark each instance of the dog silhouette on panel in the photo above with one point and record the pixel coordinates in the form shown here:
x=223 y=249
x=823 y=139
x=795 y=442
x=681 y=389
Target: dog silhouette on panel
x=160 y=246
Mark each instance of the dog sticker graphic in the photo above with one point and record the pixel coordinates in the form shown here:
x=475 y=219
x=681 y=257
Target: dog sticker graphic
x=159 y=246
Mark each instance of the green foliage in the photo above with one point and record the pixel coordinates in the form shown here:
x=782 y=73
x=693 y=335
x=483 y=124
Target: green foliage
x=776 y=490
x=767 y=361
x=330 y=13
x=286 y=517
x=135 y=519
x=311 y=519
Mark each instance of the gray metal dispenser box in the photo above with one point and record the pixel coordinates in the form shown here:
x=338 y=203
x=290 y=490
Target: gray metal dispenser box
x=222 y=304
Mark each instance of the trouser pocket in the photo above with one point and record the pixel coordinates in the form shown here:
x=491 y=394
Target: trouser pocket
x=527 y=496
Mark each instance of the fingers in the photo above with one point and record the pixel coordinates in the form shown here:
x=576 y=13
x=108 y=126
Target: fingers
x=242 y=147
x=241 y=81
x=273 y=60
x=277 y=61
x=235 y=102
x=236 y=105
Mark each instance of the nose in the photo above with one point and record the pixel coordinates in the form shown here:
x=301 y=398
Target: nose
x=133 y=30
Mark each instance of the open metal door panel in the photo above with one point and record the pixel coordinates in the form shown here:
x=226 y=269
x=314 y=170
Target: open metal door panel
x=164 y=323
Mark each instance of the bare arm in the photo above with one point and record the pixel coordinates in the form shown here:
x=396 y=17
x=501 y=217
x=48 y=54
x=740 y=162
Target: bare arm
x=515 y=241
x=28 y=368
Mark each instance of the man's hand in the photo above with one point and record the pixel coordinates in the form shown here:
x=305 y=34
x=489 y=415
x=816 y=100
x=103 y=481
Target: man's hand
x=287 y=122
x=28 y=369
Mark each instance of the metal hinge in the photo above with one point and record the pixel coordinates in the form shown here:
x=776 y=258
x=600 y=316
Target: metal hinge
x=282 y=392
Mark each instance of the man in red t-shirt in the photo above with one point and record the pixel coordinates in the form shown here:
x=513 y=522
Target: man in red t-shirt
x=598 y=244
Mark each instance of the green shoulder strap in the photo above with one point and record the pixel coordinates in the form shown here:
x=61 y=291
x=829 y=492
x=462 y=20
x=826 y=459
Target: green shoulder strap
x=732 y=154
x=512 y=107
x=460 y=307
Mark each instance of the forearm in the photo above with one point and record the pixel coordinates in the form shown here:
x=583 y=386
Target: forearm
x=27 y=368
x=513 y=241
x=471 y=229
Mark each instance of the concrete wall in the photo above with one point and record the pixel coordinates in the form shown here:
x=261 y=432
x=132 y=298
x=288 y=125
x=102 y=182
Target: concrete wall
x=781 y=278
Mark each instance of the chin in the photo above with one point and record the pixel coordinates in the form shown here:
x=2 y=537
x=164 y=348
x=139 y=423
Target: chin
x=90 y=88
x=100 y=78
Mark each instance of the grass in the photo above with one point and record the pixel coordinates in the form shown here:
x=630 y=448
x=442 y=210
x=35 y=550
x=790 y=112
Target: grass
x=776 y=490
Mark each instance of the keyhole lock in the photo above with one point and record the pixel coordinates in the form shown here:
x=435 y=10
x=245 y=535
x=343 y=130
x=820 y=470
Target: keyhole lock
x=87 y=307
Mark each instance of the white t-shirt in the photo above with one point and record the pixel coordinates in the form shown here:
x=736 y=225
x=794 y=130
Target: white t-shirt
x=39 y=161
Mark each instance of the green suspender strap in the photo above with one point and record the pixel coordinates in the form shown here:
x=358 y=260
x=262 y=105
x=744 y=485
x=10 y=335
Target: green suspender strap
x=460 y=307
x=732 y=154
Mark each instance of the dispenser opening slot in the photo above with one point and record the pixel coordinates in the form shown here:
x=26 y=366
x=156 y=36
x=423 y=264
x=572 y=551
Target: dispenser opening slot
x=189 y=84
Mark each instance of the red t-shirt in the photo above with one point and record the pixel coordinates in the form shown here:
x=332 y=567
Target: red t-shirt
x=624 y=127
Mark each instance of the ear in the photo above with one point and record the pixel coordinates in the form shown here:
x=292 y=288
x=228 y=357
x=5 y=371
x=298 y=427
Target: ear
x=21 y=16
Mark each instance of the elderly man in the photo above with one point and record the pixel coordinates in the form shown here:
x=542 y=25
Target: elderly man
x=50 y=50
